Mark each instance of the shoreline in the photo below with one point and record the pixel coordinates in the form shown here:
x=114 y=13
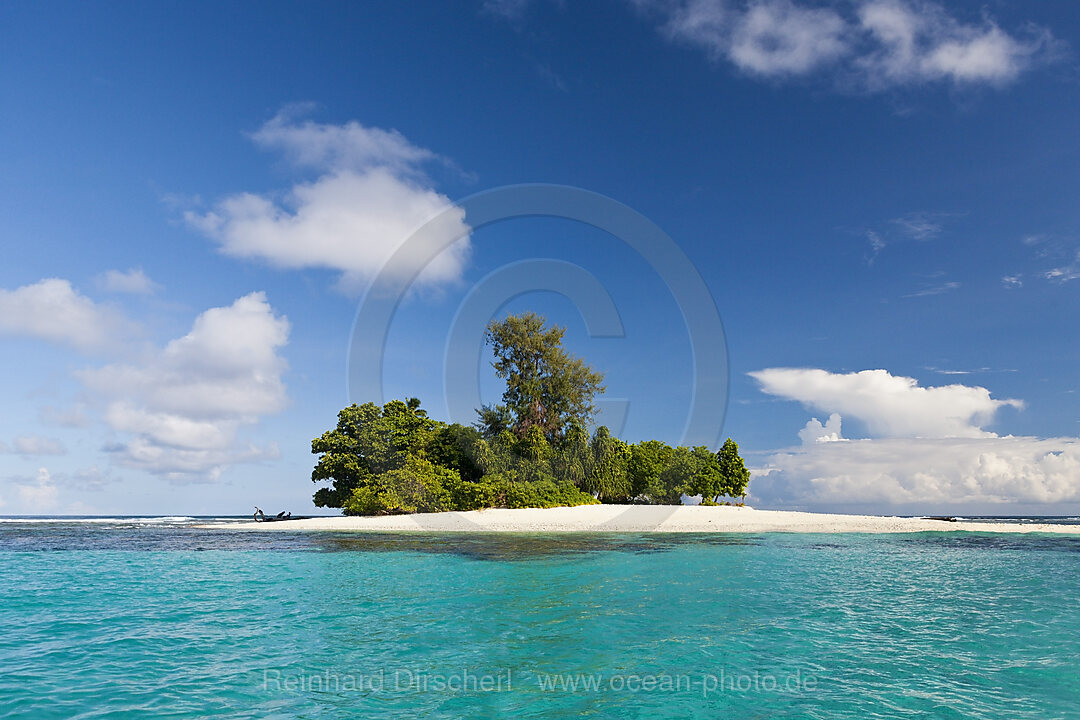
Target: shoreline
x=645 y=519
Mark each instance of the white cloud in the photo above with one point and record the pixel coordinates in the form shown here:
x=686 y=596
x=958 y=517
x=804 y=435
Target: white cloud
x=39 y=495
x=1048 y=248
x=54 y=311
x=133 y=282
x=350 y=146
x=926 y=472
x=37 y=445
x=882 y=43
x=889 y=405
x=74 y=417
x=184 y=405
x=770 y=37
x=1012 y=282
x=919 y=42
x=1065 y=273
x=815 y=432
x=929 y=451
x=776 y=37
x=371 y=197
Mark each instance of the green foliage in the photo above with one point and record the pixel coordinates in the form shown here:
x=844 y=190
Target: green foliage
x=648 y=469
x=574 y=460
x=453 y=446
x=735 y=476
x=546 y=494
x=488 y=491
x=607 y=477
x=367 y=442
x=706 y=480
x=493 y=419
x=533 y=451
x=546 y=387
x=418 y=486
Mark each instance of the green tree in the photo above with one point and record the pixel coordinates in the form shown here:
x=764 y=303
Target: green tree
x=493 y=419
x=574 y=459
x=608 y=479
x=546 y=387
x=677 y=479
x=735 y=476
x=647 y=470
x=453 y=446
x=368 y=441
x=417 y=486
x=707 y=480
x=395 y=459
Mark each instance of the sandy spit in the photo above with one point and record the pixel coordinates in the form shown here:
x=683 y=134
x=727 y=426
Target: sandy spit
x=646 y=518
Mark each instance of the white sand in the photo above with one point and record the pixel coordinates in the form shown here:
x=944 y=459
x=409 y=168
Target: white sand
x=647 y=518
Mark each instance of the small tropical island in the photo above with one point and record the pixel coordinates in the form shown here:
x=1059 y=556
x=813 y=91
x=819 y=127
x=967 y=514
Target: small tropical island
x=534 y=450
x=530 y=464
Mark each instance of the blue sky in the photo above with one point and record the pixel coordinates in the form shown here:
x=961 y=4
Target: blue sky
x=880 y=196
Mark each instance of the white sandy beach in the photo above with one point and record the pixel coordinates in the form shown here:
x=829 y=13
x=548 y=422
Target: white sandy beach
x=647 y=518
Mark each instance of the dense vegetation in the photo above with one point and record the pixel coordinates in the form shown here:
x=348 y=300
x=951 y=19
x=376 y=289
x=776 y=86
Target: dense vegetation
x=531 y=451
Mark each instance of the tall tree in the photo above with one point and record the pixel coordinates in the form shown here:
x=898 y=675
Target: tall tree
x=733 y=470
x=546 y=387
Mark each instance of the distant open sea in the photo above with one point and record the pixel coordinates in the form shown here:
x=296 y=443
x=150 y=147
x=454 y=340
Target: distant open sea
x=154 y=618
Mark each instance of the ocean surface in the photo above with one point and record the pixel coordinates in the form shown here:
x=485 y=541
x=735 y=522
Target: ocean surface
x=153 y=618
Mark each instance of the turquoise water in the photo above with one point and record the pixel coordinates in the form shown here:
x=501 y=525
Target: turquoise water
x=145 y=620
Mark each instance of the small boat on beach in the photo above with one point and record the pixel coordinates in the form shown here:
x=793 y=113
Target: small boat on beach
x=282 y=516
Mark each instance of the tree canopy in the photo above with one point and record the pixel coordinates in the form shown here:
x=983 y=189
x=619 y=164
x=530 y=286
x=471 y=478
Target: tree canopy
x=546 y=387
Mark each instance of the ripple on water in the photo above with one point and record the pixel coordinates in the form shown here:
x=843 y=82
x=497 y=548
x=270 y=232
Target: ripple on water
x=118 y=621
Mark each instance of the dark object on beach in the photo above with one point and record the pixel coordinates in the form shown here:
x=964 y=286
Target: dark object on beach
x=944 y=518
x=259 y=515
x=281 y=516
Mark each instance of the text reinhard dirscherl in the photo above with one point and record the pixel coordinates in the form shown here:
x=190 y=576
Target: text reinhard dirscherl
x=465 y=680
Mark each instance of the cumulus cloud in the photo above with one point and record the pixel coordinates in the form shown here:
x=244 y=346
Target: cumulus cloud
x=183 y=406
x=882 y=43
x=133 y=282
x=53 y=310
x=931 y=472
x=889 y=405
x=369 y=199
x=927 y=449
x=815 y=432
